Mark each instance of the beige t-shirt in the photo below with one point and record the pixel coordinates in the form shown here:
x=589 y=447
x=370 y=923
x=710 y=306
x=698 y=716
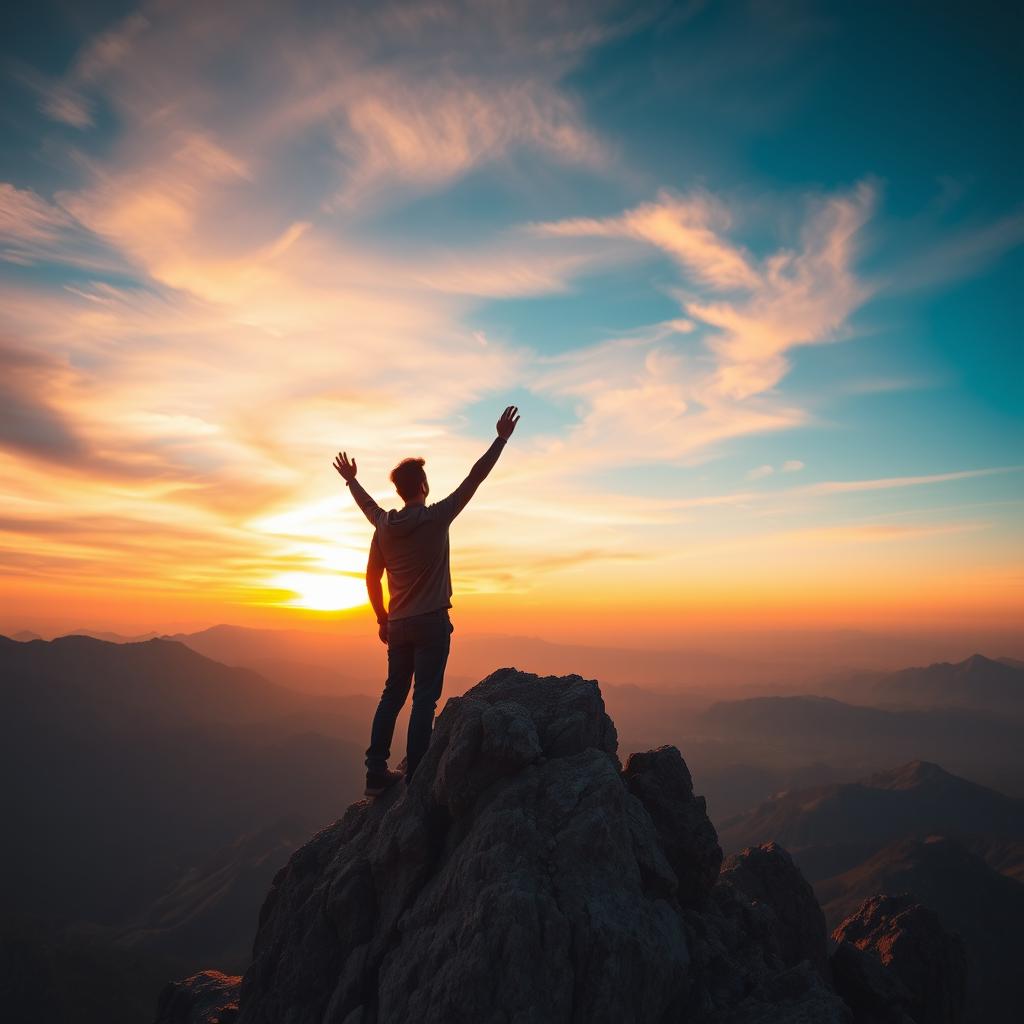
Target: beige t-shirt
x=411 y=543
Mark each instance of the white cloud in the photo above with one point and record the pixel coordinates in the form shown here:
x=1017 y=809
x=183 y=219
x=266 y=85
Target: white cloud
x=792 y=466
x=66 y=100
x=26 y=218
x=788 y=299
x=760 y=472
x=652 y=397
x=889 y=482
x=688 y=228
x=433 y=132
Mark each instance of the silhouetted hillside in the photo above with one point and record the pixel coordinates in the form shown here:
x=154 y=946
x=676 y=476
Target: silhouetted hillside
x=829 y=829
x=152 y=756
x=207 y=915
x=349 y=658
x=976 y=682
x=122 y=685
x=124 y=768
x=59 y=977
x=856 y=740
x=969 y=897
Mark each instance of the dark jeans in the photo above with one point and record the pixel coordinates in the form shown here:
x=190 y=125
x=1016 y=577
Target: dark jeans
x=417 y=646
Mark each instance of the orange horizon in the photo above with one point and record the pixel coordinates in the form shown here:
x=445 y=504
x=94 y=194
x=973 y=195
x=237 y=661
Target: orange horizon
x=43 y=607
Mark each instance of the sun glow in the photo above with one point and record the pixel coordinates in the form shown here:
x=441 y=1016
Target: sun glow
x=320 y=592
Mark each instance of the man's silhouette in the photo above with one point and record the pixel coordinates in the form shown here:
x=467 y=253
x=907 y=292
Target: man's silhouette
x=411 y=544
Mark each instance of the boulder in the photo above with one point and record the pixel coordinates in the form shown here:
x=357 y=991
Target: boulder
x=767 y=875
x=909 y=963
x=208 y=997
x=660 y=780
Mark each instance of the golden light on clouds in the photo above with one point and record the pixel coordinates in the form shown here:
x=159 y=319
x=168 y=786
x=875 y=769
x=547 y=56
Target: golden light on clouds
x=375 y=237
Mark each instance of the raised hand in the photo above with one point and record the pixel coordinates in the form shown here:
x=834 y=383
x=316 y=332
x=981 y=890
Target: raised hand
x=345 y=468
x=508 y=421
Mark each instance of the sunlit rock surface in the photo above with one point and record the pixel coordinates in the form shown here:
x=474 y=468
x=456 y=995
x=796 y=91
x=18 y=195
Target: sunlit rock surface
x=896 y=962
x=208 y=997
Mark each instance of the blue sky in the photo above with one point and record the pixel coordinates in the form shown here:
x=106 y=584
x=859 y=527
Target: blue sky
x=751 y=271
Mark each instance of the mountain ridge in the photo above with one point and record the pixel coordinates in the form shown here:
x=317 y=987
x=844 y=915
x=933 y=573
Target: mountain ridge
x=982 y=906
x=831 y=828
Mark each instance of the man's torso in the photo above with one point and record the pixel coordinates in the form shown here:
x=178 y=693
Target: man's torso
x=413 y=543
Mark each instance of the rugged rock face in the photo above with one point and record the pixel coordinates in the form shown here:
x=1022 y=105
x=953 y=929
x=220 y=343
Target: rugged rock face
x=971 y=899
x=768 y=875
x=660 y=780
x=526 y=876
x=208 y=997
x=895 y=962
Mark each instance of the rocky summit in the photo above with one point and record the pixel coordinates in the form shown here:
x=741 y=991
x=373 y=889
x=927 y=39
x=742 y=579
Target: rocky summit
x=526 y=876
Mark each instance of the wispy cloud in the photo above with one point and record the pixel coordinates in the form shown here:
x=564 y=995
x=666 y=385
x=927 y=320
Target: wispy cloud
x=887 y=483
x=657 y=398
x=959 y=253
x=788 y=299
x=436 y=132
x=31 y=422
x=26 y=218
x=875 y=533
x=689 y=228
x=67 y=99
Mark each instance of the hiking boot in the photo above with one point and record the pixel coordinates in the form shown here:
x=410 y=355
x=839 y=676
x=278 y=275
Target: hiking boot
x=377 y=782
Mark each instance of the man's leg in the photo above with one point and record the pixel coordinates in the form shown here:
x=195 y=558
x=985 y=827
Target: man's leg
x=430 y=659
x=400 y=669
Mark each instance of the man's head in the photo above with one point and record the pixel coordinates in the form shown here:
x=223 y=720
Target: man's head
x=410 y=480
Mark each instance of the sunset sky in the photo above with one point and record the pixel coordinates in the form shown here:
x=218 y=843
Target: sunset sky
x=751 y=271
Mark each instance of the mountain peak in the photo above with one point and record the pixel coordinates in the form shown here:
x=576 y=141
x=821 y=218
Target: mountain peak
x=920 y=965
x=977 y=660
x=525 y=874
x=910 y=775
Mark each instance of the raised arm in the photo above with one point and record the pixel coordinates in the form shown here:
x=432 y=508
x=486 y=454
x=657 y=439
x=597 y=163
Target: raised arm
x=347 y=471
x=374 y=572
x=458 y=499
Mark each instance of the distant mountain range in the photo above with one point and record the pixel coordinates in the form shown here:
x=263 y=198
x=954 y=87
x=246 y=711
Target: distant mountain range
x=25 y=635
x=153 y=791
x=976 y=682
x=830 y=829
x=348 y=659
x=208 y=913
x=978 y=740
x=970 y=898
x=920 y=830
x=124 y=768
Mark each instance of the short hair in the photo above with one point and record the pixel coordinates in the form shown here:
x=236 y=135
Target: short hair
x=408 y=477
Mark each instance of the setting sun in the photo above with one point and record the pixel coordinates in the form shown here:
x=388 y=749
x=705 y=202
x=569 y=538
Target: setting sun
x=320 y=592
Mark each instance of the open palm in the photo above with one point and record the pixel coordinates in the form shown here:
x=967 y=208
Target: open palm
x=508 y=421
x=345 y=467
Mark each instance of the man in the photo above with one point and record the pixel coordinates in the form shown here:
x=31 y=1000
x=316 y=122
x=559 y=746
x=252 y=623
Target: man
x=411 y=543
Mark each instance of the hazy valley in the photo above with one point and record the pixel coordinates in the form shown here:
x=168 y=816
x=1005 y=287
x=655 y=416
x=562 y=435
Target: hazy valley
x=157 y=790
